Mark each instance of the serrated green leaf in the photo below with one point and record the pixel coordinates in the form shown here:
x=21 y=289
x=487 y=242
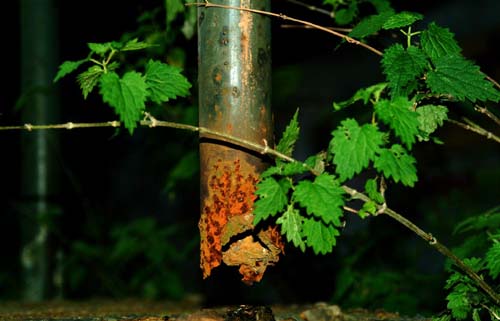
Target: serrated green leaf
x=89 y=78
x=371 y=189
x=459 y=305
x=135 y=44
x=286 y=144
x=493 y=260
x=173 y=8
x=438 y=42
x=458 y=77
x=363 y=94
x=319 y=236
x=321 y=198
x=396 y=163
x=68 y=67
x=430 y=117
x=403 y=67
x=478 y=222
x=272 y=198
x=165 y=82
x=126 y=95
x=398 y=114
x=370 y=25
x=100 y=48
x=353 y=147
x=291 y=225
x=402 y=19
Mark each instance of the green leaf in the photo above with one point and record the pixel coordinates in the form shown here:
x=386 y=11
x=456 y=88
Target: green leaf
x=68 y=67
x=400 y=117
x=381 y=5
x=403 y=67
x=321 y=198
x=346 y=15
x=165 y=82
x=126 y=95
x=100 y=48
x=430 y=117
x=363 y=94
x=272 y=198
x=370 y=25
x=135 y=44
x=396 y=163
x=493 y=260
x=371 y=189
x=402 y=19
x=320 y=237
x=438 y=42
x=291 y=226
x=293 y=168
x=369 y=208
x=317 y=162
x=458 y=302
x=89 y=78
x=354 y=146
x=456 y=76
x=290 y=135
x=173 y=8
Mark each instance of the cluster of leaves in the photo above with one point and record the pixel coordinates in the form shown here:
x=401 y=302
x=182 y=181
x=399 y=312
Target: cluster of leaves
x=129 y=92
x=480 y=249
x=404 y=112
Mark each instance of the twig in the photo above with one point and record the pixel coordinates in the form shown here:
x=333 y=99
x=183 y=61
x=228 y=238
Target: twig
x=207 y=4
x=493 y=81
x=476 y=129
x=313 y=8
x=150 y=121
x=309 y=27
x=69 y=125
x=432 y=242
x=489 y=114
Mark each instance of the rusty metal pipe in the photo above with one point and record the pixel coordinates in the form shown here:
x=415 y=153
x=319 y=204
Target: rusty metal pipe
x=234 y=76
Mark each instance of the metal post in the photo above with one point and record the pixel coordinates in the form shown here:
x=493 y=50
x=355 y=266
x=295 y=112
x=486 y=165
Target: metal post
x=40 y=176
x=234 y=50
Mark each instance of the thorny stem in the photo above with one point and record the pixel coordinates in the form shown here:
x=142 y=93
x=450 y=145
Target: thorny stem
x=207 y=4
x=264 y=149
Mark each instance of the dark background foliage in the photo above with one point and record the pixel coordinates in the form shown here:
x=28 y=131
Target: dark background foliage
x=129 y=220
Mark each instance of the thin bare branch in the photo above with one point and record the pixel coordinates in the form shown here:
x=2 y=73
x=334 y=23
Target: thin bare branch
x=489 y=114
x=476 y=129
x=264 y=149
x=207 y=4
x=346 y=30
x=313 y=8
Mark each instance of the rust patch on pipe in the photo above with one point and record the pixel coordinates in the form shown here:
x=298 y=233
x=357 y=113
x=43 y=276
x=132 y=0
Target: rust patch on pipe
x=227 y=215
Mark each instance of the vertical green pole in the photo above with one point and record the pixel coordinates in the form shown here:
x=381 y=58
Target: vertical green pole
x=234 y=75
x=40 y=177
